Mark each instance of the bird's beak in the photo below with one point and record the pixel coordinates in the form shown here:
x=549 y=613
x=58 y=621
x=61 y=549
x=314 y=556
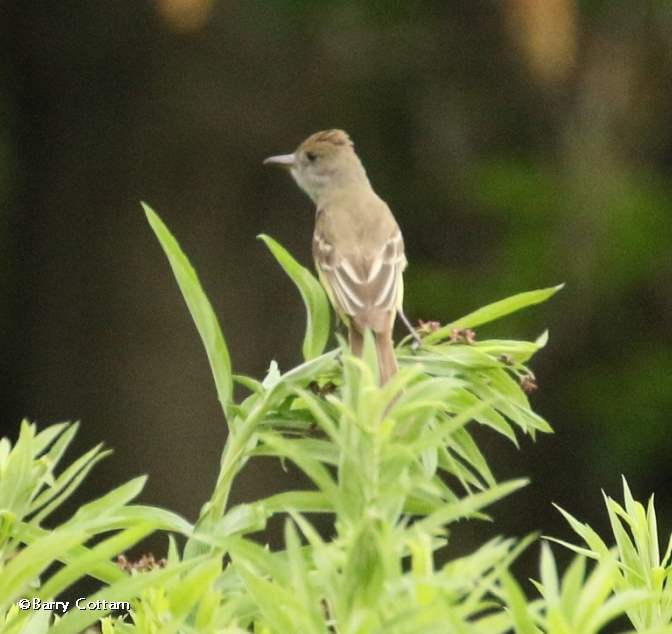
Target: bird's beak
x=283 y=160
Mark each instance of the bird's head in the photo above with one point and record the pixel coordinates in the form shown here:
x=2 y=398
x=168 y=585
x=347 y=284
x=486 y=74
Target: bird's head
x=323 y=162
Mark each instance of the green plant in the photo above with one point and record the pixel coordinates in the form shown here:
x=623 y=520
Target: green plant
x=30 y=490
x=394 y=467
x=637 y=563
x=628 y=579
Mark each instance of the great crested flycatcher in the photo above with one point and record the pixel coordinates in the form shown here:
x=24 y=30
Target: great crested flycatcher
x=357 y=244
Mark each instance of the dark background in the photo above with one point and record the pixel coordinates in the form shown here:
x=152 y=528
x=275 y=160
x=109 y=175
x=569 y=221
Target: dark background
x=520 y=143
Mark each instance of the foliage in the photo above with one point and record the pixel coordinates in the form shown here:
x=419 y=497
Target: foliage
x=30 y=490
x=636 y=561
x=394 y=467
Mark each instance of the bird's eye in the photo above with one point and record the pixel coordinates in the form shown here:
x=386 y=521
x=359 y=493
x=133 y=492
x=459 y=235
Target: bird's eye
x=311 y=156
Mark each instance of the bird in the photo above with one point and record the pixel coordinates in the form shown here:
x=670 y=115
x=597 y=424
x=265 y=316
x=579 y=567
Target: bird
x=358 y=248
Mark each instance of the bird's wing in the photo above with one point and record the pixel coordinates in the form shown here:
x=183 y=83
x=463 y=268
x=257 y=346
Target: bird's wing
x=361 y=284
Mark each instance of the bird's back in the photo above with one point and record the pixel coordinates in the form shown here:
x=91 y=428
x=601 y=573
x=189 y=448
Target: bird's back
x=359 y=221
x=358 y=246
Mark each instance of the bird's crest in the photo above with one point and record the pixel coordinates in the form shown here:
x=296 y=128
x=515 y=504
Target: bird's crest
x=336 y=137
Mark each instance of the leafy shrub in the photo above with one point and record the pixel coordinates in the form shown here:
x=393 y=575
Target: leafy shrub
x=394 y=467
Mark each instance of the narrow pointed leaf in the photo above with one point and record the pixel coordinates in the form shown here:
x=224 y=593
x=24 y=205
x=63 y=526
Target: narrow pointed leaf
x=494 y=311
x=200 y=308
x=313 y=295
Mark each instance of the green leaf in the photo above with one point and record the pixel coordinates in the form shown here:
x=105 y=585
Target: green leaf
x=31 y=562
x=494 y=311
x=299 y=575
x=309 y=369
x=320 y=415
x=163 y=519
x=106 y=572
x=258 y=560
x=200 y=308
x=465 y=446
x=301 y=501
x=469 y=505
x=549 y=576
x=33 y=622
x=592 y=539
x=314 y=298
x=518 y=605
x=616 y=606
x=518 y=351
x=597 y=588
x=185 y=595
x=278 y=604
x=102 y=552
x=66 y=483
x=244 y=518
x=320 y=450
x=75 y=621
x=572 y=583
x=48 y=435
x=99 y=510
x=316 y=471
x=21 y=473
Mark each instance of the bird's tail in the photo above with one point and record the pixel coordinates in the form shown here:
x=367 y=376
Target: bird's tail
x=387 y=362
x=356 y=341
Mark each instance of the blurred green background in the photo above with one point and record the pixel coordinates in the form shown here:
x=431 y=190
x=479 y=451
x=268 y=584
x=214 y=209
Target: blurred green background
x=521 y=143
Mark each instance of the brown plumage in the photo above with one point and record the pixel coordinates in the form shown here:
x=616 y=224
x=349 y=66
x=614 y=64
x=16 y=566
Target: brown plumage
x=357 y=245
